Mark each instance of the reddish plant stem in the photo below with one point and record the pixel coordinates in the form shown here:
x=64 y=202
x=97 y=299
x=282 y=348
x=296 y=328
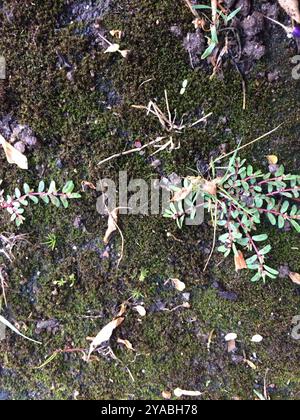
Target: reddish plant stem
x=260 y=257
x=266 y=181
x=6 y=205
x=282 y=191
x=277 y=213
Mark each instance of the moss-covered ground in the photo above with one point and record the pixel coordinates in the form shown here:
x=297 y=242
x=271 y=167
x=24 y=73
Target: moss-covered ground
x=78 y=126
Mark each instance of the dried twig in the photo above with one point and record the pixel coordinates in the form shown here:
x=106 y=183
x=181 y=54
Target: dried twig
x=190 y=6
x=3 y=283
x=129 y=152
x=167 y=121
x=8 y=242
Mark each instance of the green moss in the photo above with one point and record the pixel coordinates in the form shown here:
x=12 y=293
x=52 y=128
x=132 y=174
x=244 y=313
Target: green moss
x=74 y=123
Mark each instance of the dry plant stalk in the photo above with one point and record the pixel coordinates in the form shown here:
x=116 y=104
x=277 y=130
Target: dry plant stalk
x=168 y=122
x=190 y=6
x=8 y=242
x=3 y=283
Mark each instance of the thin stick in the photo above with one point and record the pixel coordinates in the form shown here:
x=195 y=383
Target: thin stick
x=190 y=6
x=3 y=285
x=116 y=226
x=246 y=145
x=128 y=152
x=214 y=7
x=168 y=108
x=215 y=237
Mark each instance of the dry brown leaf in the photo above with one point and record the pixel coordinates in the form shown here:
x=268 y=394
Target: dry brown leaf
x=295 y=277
x=112 y=48
x=210 y=338
x=123 y=309
x=251 y=364
x=272 y=159
x=179 y=285
x=257 y=339
x=87 y=184
x=210 y=187
x=112 y=225
x=167 y=395
x=231 y=342
x=124 y=53
x=140 y=310
x=126 y=343
x=13 y=156
x=117 y=33
x=240 y=263
x=104 y=335
x=182 y=194
x=199 y=23
x=178 y=392
x=292 y=8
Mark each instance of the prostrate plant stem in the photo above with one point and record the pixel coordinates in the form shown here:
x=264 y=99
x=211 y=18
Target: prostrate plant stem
x=242 y=197
x=14 y=204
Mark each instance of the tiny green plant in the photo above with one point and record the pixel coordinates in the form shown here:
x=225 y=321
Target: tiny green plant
x=219 y=23
x=67 y=280
x=238 y=201
x=15 y=204
x=144 y=274
x=51 y=241
x=136 y=294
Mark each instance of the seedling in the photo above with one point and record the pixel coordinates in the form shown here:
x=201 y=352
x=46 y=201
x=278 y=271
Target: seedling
x=67 y=280
x=219 y=20
x=51 y=241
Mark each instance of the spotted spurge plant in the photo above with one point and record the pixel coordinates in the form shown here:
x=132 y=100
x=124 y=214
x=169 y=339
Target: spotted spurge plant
x=238 y=201
x=16 y=203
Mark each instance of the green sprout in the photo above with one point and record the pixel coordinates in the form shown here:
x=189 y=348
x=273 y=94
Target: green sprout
x=51 y=241
x=213 y=39
x=70 y=280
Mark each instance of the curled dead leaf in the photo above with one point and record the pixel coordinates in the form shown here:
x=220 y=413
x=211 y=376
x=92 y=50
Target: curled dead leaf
x=124 y=53
x=231 y=342
x=210 y=187
x=140 y=310
x=117 y=33
x=167 y=395
x=112 y=225
x=13 y=156
x=272 y=159
x=295 y=277
x=86 y=184
x=250 y=364
x=178 y=392
x=123 y=309
x=126 y=343
x=257 y=339
x=179 y=285
x=240 y=263
x=104 y=335
x=292 y=8
x=199 y=23
x=112 y=48
x=182 y=194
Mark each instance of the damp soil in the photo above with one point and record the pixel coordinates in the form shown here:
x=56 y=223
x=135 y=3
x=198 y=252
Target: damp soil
x=70 y=106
